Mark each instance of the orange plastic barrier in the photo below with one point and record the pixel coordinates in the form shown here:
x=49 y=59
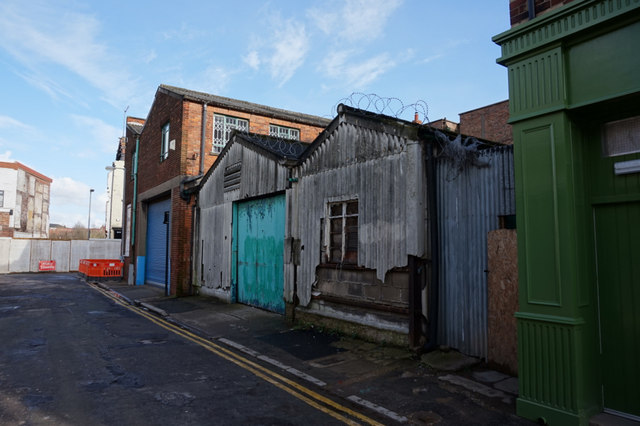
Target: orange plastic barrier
x=100 y=268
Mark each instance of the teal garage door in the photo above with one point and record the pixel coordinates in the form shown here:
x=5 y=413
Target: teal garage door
x=259 y=241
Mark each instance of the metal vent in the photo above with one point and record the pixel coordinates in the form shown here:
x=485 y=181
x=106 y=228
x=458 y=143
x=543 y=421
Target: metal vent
x=621 y=137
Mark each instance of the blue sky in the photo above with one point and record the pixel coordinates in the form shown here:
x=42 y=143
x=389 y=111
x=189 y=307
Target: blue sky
x=69 y=68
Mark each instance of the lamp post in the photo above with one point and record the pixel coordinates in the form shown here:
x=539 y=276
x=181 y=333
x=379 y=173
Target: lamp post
x=89 y=223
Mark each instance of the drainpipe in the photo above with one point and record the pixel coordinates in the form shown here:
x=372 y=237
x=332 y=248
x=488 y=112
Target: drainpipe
x=135 y=193
x=202 y=138
x=531 y=9
x=433 y=288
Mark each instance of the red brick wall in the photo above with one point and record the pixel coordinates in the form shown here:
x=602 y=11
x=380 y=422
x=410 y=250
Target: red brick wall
x=192 y=131
x=489 y=123
x=152 y=170
x=5 y=230
x=520 y=13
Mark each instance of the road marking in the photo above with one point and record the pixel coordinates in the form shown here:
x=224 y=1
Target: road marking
x=391 y=414
x=272 y=361
x=295 y=389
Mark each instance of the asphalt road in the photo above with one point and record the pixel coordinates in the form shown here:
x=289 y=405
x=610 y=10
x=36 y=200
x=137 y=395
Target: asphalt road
x=72 y=356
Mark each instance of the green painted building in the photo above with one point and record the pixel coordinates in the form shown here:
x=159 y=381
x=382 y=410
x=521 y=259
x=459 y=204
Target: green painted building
x=574 y=92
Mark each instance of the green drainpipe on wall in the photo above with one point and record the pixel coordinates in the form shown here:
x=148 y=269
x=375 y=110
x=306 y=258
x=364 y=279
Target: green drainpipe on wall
x=135 y=190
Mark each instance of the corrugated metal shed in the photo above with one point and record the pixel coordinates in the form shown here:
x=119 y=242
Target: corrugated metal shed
x=376 y=161
x=248 y=167
x=470 y=201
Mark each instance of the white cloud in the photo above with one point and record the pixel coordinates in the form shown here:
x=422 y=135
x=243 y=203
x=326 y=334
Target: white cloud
x=252 y=59
x=356 y=75
x=290 y=45
x=67 y=191
x=282 y=51
x=150 y=56
x=358 y=20
x=7 y=122
x=70 y=203
x=431 y=58
x=185 y=33
x=98 y=135
x=41 y=35
x=6 y=156
x=213 y=79
x=41 y=81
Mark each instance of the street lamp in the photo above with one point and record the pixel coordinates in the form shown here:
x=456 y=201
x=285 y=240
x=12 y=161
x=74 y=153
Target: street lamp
x=89 y=223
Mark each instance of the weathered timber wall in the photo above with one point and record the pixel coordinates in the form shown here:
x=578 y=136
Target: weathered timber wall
x=502 y=251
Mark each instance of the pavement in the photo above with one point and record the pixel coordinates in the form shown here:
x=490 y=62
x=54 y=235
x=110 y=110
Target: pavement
x=442 y=387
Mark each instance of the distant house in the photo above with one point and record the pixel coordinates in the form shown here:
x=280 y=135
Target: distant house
x=166 y=156
x=115 y=198
x=490 y=122
x=24 y=201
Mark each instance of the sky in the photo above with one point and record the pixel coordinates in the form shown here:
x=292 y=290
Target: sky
x=69 y=69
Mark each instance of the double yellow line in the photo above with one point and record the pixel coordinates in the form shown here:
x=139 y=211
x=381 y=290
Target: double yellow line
x=314 y=399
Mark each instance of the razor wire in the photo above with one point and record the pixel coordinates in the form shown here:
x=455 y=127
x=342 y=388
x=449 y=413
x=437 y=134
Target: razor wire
x=461 y=152
x=287 y=148
x=393 y=107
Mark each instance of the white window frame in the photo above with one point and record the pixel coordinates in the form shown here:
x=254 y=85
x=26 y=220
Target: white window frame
x=284 y=132
x=164 y=154
x=1 y=197
x=222 y=127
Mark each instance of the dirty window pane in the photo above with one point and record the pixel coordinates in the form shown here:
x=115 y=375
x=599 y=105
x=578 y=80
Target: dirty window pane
x=352 y=241
x=352 y=207
x=336 y=255
x=351 y=257
x=343 y=232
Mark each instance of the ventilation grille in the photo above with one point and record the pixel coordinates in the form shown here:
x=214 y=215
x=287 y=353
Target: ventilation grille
x=621 y=137
x=232 y=177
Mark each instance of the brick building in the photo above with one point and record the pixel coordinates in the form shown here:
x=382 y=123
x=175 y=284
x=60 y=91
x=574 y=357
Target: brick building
x=24 y=201
x=520 y=11
x=489 y=122
x=165 y=157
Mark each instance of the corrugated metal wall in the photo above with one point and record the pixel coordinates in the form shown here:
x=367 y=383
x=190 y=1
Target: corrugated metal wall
x=259 y=175
x=470 y=202
x=384 y=173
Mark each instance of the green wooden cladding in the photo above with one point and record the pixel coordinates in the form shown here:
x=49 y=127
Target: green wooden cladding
x=617 y=236
x=571 y=70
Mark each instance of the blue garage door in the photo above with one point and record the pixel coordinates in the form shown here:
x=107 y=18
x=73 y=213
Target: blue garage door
x=260 y=246
x=156 y=260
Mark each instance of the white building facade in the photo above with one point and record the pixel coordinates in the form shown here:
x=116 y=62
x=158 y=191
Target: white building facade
x=115 y=197
x=24 y=201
